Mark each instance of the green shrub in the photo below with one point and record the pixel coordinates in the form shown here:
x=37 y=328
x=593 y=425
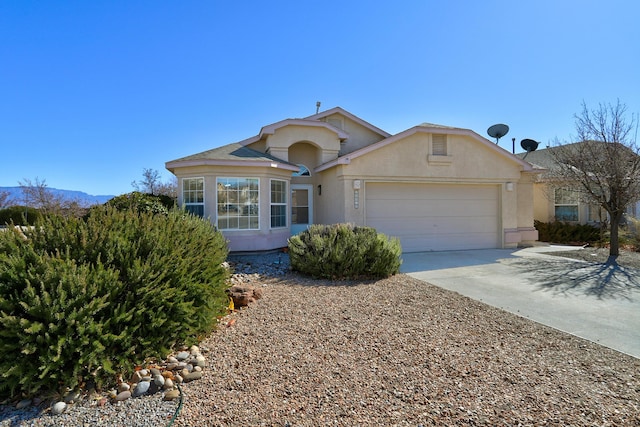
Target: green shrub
x=83 y=300
x=567 y=233
x=142 y=202
x=19 y=215
x=344 y=251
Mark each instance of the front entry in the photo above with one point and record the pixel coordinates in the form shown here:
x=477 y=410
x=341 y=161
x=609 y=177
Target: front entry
x=301 y=207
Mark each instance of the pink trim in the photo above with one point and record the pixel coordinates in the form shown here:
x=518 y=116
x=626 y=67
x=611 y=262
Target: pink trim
x=248 y=141
x=338 y=110
x=211 y=162
x=272 y=128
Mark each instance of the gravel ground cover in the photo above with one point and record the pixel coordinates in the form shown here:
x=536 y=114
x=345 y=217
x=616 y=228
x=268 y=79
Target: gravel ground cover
x=626 y=259
x=393 y=352
x=402 y=352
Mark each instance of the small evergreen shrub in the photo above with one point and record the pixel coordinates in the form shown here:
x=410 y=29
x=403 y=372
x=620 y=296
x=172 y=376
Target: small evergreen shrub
x=19 y=215
x=142 y=202
x=567 y=233
x=344 y=251
x=83 y=300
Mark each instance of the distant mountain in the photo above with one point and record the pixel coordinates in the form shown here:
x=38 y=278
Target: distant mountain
x=16 y=196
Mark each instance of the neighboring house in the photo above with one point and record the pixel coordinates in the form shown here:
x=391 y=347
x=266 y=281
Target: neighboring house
x=434 y=187
x=557 y=200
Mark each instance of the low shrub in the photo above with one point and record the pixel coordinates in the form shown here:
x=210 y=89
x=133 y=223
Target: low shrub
x=19 y=215
x=567 y=233
x=344 y=251
x=83 y=300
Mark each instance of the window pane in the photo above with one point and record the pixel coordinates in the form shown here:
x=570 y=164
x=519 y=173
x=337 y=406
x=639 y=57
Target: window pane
x=193 y=195
x=254 y=223
x=195 y=210
x=566 y=213
x=278 y=216
x=238 y=203
x=278 y=191
x=565 y=196
x=300 y=215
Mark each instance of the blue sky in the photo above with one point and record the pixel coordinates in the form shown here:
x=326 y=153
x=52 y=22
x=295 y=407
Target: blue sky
x=93 y=92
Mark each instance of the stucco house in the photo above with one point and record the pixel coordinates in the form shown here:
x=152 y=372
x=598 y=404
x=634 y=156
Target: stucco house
x=435 y=187
x=555 y=199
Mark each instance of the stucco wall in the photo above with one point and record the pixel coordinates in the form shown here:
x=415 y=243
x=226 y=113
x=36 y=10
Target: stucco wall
x=278 y=144
x=359 y=136
x=409 y=159
x=241 y=240
x=542 y=207
x=468 y=162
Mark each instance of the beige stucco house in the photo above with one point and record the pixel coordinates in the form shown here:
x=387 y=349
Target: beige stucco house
x=555 y=199
x=434 y=187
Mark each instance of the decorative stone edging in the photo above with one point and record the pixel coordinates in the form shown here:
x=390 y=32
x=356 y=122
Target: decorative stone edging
x=185 y=366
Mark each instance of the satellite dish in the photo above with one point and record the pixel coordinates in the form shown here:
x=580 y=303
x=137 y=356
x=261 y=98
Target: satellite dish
x=498 y=131
x=529 y=145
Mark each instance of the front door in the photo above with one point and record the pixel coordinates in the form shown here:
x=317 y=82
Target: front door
x=301 y=207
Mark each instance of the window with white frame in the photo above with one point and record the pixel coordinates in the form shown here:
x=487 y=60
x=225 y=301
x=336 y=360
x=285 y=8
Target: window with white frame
x=566 y=204
x=193 y=195
x=278 y=199
x=238 y=203
x=439 y=145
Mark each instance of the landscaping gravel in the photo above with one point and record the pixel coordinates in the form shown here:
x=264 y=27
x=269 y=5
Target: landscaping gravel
x=391 y=352
x=402 y=352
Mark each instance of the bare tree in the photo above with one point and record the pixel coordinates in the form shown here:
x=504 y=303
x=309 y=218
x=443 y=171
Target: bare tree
x=604 y=166
x=151 y=183
x=169 y=188
x=4 y=199
x=38 y=195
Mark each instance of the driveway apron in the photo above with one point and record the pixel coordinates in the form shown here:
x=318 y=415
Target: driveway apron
x=595 y=302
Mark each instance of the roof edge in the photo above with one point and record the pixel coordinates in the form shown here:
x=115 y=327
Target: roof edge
x=346 y=159
x=272 y=128
x=339 y=110
x=170 y=166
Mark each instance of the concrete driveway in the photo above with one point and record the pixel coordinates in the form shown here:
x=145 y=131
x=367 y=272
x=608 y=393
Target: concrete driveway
x=598 y=303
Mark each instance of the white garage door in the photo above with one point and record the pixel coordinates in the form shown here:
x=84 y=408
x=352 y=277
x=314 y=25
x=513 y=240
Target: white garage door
x=434 y=217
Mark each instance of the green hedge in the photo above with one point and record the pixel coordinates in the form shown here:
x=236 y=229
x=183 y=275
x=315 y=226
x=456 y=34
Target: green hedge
x=344 y=251
x=82 y=300
x=562 y=232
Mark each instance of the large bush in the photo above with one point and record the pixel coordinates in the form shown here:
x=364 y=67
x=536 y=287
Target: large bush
x=19 y=215
x=344 y=251
x=567 y=233
x=142 y=202
x=82 y=300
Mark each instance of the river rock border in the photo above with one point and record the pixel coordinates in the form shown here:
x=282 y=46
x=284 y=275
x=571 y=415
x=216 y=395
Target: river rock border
x=185 y=366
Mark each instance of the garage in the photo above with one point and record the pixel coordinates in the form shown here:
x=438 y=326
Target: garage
x=435 y=217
